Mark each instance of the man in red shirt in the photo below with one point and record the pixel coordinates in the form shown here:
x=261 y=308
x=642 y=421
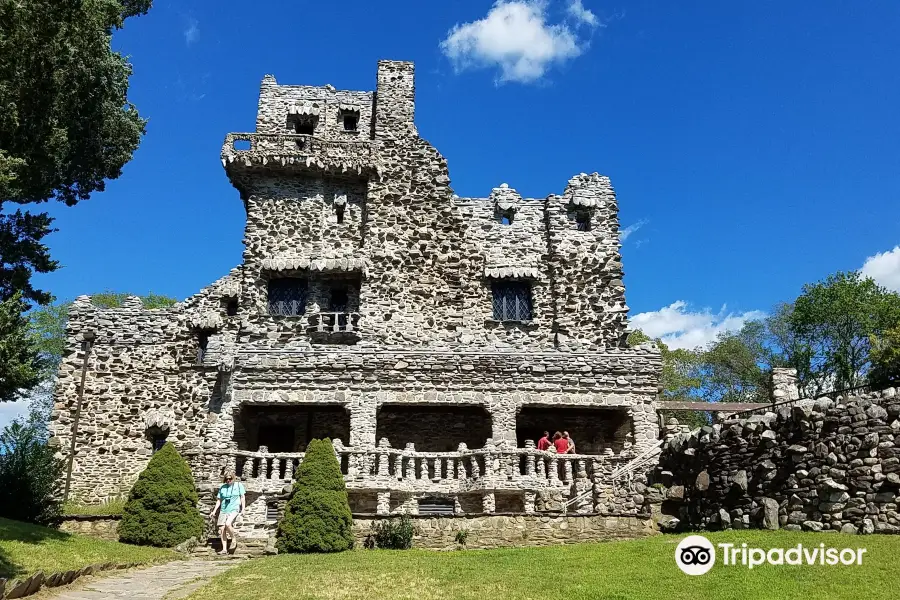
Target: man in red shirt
x=544 y=442
x=560 y=443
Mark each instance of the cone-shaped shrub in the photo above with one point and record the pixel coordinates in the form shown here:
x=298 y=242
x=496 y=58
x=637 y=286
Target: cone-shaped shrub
x=162 y=507
x=317 y=517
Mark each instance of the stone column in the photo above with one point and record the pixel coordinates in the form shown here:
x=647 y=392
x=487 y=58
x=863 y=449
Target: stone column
x=362 y=422
x=503 y=419
x=784 y=385
x=384 y=503
x=488 y=503
x=645 y=426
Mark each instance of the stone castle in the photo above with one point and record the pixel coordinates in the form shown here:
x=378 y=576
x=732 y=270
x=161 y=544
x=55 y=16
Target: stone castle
x=432 y=337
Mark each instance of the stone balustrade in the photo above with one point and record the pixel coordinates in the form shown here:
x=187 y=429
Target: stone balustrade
x=383 y=468
x=298 y=151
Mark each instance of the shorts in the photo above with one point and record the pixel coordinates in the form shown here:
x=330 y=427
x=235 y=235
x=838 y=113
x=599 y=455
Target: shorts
x=232 y=518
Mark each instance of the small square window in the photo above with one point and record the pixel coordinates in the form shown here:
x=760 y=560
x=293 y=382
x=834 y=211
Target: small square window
x=231 y=307
x=351 y=122
x=287 y=297
x=583 y=221
x=512 y=301
x=506 y=217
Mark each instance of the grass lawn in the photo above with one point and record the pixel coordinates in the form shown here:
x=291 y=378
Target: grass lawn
x=639 y=570
x=26 y=549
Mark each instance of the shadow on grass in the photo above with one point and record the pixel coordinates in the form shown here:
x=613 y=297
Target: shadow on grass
x=23 y=533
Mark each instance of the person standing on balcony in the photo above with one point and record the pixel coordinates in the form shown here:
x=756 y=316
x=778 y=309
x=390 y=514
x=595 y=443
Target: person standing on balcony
x=230 y=503
x=560 y=444
x=570 y=449
x=544 y=442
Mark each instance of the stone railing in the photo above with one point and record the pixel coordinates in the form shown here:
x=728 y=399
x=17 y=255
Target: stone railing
x=300 y=150
x=327 y=323
x=386 y=468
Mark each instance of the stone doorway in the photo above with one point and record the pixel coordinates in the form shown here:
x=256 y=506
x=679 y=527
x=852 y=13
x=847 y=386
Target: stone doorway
x=593 y=429
x=433 y=428
x=289 y=428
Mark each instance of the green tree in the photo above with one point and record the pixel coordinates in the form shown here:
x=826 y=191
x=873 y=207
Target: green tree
x=736 y=366
x=162 y=506
x=317 y=516
x=66 y=125
x=20 y=367
x=885 y=355
x=680 y=378
x=30 y=474
x=834 y=321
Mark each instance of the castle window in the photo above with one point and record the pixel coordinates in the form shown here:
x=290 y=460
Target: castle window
x=583 y=221
x=159 y=440
x=506 y=217
x=202 y=344
x=351 y=121
x=287 y=297
x=512 y=301
x=231 y=307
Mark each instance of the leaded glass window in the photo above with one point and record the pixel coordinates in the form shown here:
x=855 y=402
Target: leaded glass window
x=512 y=301
x=287 y=297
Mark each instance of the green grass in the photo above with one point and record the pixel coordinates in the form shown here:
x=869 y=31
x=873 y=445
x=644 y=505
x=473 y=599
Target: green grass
x=107 y=509
x=639 y=570
x=26 y=549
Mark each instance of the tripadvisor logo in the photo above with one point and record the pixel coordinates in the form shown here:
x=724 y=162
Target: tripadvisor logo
x=695 y=555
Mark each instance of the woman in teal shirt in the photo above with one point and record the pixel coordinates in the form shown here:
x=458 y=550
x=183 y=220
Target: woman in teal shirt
x=230 y=503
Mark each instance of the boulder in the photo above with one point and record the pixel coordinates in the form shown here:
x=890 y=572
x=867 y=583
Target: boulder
x=770 y=513
x=813 y=526
x=848 y=528
x=868 y=527
x=739 y=480
x=703 y=481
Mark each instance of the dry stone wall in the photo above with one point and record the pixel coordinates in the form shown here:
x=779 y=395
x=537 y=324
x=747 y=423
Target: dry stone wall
x=817 y=465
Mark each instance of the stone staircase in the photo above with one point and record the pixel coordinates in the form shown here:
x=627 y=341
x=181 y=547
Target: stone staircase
x=246 y=548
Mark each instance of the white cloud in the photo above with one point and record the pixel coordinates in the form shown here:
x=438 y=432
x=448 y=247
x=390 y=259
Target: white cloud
x=624 y=233
x=191 y=31
x=581 y=14
x=516 y=37
x=884 y=268
x=678 y=327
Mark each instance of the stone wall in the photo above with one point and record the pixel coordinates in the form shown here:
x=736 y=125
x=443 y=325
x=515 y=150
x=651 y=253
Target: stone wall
x=823 y=464
x=505 y=531
x=105 y=528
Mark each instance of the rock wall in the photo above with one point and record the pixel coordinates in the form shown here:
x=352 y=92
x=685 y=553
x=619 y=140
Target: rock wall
x=105 y=528
x=507 y=531
x=827 y=464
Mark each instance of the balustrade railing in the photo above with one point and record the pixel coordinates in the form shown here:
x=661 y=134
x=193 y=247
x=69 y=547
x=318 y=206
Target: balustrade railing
x=490 y=466
x=295 y=143
x=333 y=322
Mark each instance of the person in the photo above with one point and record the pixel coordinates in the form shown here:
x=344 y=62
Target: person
x=570 y=449
x=560 y=443
x=230 y=503
x=544 y=442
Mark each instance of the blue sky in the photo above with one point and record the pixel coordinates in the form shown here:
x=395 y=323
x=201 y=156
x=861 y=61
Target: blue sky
x=753 y=146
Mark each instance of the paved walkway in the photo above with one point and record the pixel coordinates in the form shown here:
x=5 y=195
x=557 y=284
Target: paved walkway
x=177 y=579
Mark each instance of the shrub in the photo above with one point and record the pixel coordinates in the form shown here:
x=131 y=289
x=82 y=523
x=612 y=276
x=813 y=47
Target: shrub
x=462 y=536
x=162 y=507
x=30 y=475
x=317 y=516
x=394 y=534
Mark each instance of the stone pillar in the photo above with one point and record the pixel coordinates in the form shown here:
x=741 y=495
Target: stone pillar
x=362 y=422
x=644 y=426
x=488 y=503
x=503 y=420
x=529 y=503
x=395 y=100
x=384 y=503
x=784 y=385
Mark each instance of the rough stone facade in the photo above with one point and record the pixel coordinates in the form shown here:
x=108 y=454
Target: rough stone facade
x=814 y=465
x=368 y=290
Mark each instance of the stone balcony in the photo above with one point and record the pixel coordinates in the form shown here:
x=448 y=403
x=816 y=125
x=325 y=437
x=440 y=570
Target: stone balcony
x=583 y=479
x=298 y=152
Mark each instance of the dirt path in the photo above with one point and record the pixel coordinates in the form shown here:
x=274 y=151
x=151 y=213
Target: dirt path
x=177 y=579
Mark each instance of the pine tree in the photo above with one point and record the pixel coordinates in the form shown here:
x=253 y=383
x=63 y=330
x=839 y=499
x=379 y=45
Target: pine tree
x=162 y=507
x=317 y=517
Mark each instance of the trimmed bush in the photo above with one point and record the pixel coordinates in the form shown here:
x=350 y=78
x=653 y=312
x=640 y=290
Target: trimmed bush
x=317 y=516
x=162 y=507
